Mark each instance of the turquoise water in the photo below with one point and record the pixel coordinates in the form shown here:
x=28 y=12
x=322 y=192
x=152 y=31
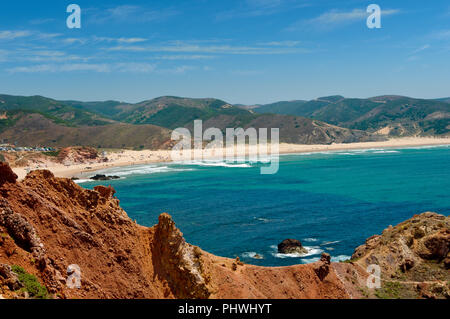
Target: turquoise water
x=329 y=201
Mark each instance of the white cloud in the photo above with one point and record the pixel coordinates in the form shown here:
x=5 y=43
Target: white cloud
x=17 y=34
x=42 y=21
x=422 y=48
x=217 y=49
x=246 y=72
x=178 y=70
x=119 y=40
x=280 y=43
x=184 y=57
x=129 y=13
x=90 y=67
x=442 y=34
x=74 y=40
x=334 y=18
x=258 y=8
x=11 y=35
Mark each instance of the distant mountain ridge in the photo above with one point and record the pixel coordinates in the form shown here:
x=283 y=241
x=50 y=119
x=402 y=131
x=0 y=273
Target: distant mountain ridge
x=389 y=114
x=445 y=99
x=39 y=120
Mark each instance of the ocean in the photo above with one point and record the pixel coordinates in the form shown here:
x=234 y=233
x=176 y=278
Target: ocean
x=330 y=201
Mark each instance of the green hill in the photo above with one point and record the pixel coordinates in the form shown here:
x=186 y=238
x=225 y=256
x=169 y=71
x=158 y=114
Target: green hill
x=398 y=115
x=41 y=121
x=34 y=129
x=282 y=107
x=54 y=110
x=445 y=99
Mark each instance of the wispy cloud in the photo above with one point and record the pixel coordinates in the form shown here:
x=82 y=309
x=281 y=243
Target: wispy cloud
x=129 y=13
x=335 y=18
x=11 y=35
x=422 y=48
x=441 y=34
x=246 y=72
x=34 y=54
x=81 y=67
x=257 y=8
x=120 y=40
x=415 y=54
x=280 y=43
x=17 y=34
x=74 y=40
x=178 y=69
x=135 y=68
x=42 y=21
x=184 y=57
x=211 y=49
x=97 y=39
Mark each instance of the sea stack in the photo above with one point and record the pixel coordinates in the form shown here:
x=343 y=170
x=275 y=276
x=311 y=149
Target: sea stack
x=291 y=246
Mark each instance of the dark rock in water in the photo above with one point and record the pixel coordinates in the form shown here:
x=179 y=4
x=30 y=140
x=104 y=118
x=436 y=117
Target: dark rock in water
x=291 y=246
x=101 y=177
x=75 y=178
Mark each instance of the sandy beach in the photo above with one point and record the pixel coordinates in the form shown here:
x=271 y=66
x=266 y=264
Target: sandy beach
x=127 y=157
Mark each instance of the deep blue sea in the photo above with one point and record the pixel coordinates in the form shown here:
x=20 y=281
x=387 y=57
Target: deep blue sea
x=330 y=201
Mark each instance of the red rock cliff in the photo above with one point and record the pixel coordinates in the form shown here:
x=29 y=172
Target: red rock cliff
x=48 y=224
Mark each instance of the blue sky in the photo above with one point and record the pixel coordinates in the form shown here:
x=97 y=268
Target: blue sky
x=248 y=51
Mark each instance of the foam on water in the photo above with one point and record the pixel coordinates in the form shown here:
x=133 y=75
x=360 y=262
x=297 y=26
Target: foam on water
x=317 y=199
x=81 y=181
x=311 y=251
x=340 y=258
x=310 y=239
x=141 y=170
x=253 y=255
x=330 y=243
x=217 y=164
x=382 y=152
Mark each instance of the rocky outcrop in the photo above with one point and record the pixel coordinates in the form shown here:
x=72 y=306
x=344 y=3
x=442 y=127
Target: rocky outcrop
x=323 y=266
x=22 y=232
x=291 y=246
x=414 y=255
x=6 y=174
x=9 y=278
x=69 y=228
x=101 y=177
x=179 y=263
x=78 y=155
x=56 y=230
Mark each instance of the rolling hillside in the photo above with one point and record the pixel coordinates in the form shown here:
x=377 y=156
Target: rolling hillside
x=282 y=107
x=35 y=129
x=172 y=112
x=445 y=99
x=40 y=121
x=54 y=110
x=393 y=115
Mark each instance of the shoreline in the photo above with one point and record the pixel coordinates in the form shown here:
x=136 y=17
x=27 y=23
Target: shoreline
x=124 y=158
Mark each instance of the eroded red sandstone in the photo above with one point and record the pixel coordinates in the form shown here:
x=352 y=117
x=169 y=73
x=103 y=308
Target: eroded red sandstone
x=48 y=224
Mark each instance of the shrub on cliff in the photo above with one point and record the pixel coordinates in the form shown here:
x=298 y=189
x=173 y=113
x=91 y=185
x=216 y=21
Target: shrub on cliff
x=30 y=283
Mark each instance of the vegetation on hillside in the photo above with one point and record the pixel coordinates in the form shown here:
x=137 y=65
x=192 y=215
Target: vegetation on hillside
x=30 y=283
x=402 y=115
